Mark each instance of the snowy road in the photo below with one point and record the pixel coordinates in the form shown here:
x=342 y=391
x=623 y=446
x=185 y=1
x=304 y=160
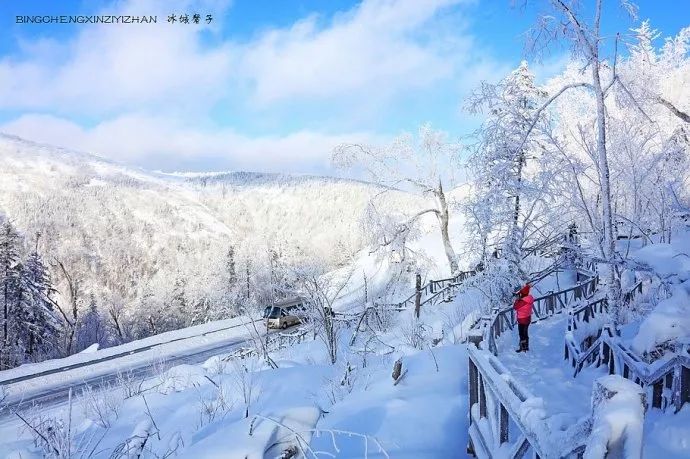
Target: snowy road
x=60 y=394
x=50 y=384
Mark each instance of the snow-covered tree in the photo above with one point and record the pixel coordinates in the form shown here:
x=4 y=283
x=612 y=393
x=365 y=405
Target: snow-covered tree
x=613 y=143
x=39 y=324
x=91 y=330
x=509 y=182
x=425 y=165
x=321 y=289
x=10 y=275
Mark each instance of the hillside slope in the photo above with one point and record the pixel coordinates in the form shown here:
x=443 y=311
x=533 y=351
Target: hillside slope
x=140 y=241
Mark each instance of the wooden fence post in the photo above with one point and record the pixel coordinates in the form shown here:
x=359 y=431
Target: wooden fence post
x=684 y=387
x=503 y=424
x=418 y=295
x=601 y=442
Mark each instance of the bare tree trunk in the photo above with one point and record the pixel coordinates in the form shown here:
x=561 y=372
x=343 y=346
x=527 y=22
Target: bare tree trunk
x=73 y=287
x=418 y=295
x=614 y=286
x=443 y=221
x=513 y=255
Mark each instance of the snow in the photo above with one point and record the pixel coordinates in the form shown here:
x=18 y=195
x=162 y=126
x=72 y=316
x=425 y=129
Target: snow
x=304 y=395
x=665 y=259
x=91 y=349
x=182 y=377
x=544 y=372
x=618 y=421
x=670 y=320
x=121 y=358
x=667 y=435
x=388 y=413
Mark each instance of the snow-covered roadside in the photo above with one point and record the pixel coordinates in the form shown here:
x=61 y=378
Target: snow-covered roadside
x=122 y=358
x=199 y=410
x=131 y=347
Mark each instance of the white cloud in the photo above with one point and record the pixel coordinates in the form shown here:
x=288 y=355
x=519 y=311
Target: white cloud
x=375 y=48
x=152 y=89
x=378 y=47
x=129 y=138
x=108 y=67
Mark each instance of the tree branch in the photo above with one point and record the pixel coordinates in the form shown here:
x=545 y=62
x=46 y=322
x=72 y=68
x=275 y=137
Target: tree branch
x=680 y=114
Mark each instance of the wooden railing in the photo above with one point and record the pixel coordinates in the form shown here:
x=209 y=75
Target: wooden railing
x=580 y=354
x=502 y=320
x=636 y=290
x=432 y=292
x=667 y=379
x=499 y=422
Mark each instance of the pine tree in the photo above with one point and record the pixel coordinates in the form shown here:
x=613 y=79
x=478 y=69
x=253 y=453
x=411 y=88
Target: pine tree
x=9 y=289
x=180 y=311
x=39 y=323
x=230 y=264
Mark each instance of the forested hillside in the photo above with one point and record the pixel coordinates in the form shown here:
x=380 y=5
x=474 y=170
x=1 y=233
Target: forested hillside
x=132 y=253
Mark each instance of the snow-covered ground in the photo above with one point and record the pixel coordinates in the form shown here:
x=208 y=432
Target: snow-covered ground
x=351 y=409
x=545 y=373
x=199 y=410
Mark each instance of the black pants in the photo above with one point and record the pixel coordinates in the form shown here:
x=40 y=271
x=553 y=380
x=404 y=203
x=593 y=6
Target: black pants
x=522 y=331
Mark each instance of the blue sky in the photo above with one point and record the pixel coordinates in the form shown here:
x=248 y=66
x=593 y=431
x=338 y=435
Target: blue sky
x=268 y=85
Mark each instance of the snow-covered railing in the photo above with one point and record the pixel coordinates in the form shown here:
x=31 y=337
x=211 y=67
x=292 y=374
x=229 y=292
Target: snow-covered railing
x=636 y=290
x=274 y=342
x=431 y=292
x=507 y=421
x=667 y=379
x=545 y=306
x=581 y=320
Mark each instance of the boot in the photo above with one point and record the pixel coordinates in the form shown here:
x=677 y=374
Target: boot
x=526 y=345
x=521 y=348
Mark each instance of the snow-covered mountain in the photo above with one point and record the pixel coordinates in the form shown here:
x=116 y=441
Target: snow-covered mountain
x=130 y=235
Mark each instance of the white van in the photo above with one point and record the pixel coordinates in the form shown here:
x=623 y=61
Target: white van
x=285 y=313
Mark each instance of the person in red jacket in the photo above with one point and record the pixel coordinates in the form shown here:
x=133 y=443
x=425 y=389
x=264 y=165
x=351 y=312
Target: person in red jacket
x=523 y=311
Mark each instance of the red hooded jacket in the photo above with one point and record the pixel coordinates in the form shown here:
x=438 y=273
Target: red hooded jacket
x=523 y=305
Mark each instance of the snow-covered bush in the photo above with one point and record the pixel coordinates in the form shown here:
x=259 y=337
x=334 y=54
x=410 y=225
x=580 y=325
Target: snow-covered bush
x=245 y=383
x=102 y=405
x=214 y=405
x=129 y=383
x=413 y=333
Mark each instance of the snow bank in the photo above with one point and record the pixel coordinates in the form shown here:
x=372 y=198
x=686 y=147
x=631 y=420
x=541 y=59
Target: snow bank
x=667 y=435
x=670 y=320
x=91 y=349
x=92 y=355
x=41 y=378
x=664 y=259
x=424 y=398
x=182 y=377
x=618 y=419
